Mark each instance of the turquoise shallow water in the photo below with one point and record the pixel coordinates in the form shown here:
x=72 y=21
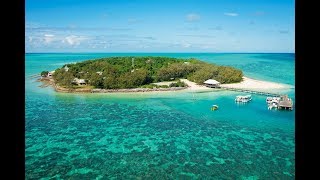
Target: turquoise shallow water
x=159 y=136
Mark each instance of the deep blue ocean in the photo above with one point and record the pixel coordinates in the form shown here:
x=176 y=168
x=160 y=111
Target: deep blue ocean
x=169 y=135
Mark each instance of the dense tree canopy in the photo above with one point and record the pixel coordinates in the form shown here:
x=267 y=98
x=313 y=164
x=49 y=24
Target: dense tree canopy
x=132 y=72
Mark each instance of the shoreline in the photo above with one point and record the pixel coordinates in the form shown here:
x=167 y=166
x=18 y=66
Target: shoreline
x=50 y=82
x=246 y=84
x=258 y=85
x=134 y=90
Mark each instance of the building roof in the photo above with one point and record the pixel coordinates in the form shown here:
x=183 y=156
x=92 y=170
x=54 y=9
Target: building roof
x=211 y=81
x=81 y=81
x=285 y=102
x=76 y=80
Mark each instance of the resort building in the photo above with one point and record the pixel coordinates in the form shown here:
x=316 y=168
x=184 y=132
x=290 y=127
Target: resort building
x=212 y=83
x=79 y=82
x=285 y=103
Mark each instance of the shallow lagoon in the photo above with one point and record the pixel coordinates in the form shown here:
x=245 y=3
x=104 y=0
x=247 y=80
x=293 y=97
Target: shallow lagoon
x=159 y=135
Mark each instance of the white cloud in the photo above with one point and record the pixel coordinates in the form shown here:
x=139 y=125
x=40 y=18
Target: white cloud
x=193 y=17
x=231 y=14
x=74 y=40
x=48 y=38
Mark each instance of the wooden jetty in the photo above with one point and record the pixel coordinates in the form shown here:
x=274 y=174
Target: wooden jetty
x=251 y=91
x=284 y=102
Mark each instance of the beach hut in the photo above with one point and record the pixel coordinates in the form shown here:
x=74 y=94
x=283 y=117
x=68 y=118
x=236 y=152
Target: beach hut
x=212 y=83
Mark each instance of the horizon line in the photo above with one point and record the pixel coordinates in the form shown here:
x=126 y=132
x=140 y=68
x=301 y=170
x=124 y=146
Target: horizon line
x=162 y=52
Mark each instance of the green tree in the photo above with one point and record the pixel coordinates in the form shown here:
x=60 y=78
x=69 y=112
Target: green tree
x=178 y=84
x=118 y=72
x=110 y=82
x=96 y=80
x=63 y=78
x=44 y=73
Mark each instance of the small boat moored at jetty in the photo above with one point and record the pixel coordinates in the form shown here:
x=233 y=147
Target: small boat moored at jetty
x=214 y=107
x=243 y=99
x=273 y=99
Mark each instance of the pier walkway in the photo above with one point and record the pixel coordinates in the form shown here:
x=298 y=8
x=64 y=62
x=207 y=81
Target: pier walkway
x=251 y=91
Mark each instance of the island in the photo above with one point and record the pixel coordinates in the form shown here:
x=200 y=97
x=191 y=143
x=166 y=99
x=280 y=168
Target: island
x=137 y=74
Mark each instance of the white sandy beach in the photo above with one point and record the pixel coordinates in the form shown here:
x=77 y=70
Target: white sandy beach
x=249 y=83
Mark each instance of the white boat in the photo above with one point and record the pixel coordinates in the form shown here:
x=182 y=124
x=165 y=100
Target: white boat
x=282 y=102
x=269 y=99
x=272 y=100
x=273 y=105
x=243 y=99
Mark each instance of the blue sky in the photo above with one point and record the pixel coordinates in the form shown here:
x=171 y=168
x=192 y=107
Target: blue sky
x=160 y=26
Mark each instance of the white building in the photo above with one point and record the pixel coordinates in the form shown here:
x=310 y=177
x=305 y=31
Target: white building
x=79 y=82
x=212 y=83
